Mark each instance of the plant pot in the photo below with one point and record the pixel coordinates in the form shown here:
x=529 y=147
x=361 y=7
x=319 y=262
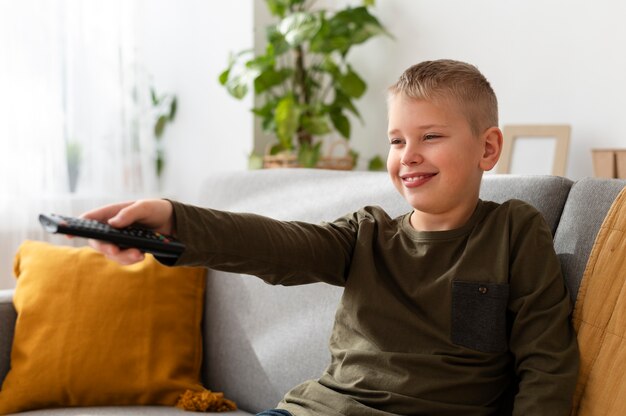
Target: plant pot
x=328 y=161
x=335 y=162
x=281 y=160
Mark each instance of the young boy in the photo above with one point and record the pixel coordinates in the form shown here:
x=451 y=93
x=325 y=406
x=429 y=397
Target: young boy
x=456 y=308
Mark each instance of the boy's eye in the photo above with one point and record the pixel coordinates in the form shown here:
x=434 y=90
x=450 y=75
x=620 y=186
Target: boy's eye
x=431 y=136
x=395 y=141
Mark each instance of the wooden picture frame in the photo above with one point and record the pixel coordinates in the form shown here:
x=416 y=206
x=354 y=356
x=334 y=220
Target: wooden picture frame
x=559 y=132
x=609 y=163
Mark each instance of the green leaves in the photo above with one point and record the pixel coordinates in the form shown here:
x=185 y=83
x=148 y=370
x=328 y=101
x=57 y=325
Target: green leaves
x=164 y=113
x=286 y=118
x=266 y=112
x=255 y=161
x=309 y=155
x=342 y=101
x=160 y=126
x=280 y=7
x=376 y=163
x=348 y=27
x=352 y=84
x=237 y=78
x=299 y=27
x=236 y=85
x=315 y=124
x=271 y=78
x=359 y=23
x=165 y=108
x=341 y=123
x=173 y=108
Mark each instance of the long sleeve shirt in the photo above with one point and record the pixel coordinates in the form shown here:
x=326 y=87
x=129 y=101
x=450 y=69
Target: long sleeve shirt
x=470 y=321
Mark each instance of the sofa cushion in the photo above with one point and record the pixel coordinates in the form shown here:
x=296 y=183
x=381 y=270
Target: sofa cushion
x=7 y=324
x=301 y=194
x=546 y=193
x=320 y=195
x=91 y=332
x=585 y=209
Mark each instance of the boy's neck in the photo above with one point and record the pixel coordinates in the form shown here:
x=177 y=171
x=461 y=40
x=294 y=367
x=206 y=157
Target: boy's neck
x=423 y=221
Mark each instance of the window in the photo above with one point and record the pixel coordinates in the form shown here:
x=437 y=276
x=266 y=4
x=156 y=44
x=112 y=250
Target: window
x=75 y=122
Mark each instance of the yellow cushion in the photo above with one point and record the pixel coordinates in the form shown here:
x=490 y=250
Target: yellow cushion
x=91 y=332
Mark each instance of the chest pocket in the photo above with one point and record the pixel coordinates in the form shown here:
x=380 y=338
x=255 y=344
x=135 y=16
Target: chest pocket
x=479 y=315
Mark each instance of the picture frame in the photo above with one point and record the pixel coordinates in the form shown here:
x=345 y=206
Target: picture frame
x=558 y=132
x=609 y=163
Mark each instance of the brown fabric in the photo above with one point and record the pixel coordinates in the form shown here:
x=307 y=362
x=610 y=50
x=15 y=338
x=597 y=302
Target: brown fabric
x=600 y=321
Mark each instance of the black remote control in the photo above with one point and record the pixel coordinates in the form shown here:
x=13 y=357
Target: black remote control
x=135 y=237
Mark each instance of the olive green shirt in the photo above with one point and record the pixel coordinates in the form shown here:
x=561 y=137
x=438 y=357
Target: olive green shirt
x=468 y=321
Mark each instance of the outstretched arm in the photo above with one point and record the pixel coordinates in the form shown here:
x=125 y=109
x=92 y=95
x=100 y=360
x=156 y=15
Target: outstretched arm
x=279 y=252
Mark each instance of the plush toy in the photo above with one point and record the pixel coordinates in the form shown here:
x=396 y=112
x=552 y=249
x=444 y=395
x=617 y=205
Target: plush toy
x=205 y=401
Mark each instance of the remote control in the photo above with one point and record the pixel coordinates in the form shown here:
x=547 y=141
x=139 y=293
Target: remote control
x=136 y=237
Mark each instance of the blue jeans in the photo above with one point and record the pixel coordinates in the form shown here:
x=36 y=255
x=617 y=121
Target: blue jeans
x=274 y=412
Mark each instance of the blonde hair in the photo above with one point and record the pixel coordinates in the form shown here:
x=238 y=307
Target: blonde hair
x=455 y=81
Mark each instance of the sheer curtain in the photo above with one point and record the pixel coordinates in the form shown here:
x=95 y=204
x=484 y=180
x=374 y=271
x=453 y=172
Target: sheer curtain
x=74 y=114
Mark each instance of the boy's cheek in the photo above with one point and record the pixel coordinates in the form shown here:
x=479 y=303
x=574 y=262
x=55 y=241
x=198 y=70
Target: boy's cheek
x=393 y=160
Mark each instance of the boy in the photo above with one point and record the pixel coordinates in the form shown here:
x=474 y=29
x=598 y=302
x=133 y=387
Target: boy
x=457 y=308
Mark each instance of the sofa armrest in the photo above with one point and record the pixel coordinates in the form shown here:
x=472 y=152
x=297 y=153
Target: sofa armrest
x=7 y=325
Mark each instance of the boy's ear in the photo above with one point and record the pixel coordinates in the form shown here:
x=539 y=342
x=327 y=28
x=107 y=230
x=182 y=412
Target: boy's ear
x=492 y=148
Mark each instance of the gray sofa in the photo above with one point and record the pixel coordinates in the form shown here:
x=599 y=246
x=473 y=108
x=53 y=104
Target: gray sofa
x=262 y=340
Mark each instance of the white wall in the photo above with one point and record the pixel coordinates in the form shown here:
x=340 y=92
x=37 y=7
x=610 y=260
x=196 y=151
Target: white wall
x=550 y=62
x=185 y=46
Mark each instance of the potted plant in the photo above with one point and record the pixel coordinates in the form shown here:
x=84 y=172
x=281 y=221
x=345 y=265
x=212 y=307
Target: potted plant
x=304 y=81
x=164 y=111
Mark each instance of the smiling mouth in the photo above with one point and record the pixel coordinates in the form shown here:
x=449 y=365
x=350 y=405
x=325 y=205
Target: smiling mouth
x=417 y=180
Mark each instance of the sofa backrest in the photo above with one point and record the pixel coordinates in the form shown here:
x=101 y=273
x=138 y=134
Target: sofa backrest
x=546 y=193
x=587 y=204
x=7 y=326
x=261 y=340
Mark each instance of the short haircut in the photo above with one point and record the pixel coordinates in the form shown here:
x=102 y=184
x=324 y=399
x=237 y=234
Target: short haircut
x=452 y=82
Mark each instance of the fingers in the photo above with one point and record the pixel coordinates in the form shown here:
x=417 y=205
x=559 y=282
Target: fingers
x=151 y=213
x=103 y=214
x=128 y=215
x=113 y=252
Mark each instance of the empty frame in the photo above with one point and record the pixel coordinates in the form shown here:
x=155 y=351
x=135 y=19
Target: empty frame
x=536 y=147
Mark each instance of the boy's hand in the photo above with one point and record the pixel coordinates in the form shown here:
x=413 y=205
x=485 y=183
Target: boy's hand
x=156 y=214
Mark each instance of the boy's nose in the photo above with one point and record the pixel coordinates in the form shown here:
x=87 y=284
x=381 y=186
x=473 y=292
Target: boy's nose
x=411 y=156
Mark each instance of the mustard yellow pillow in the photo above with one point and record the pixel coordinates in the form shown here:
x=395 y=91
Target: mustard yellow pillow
x=91 y=332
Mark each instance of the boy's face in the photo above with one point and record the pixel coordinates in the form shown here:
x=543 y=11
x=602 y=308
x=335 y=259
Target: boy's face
x=435 y=161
